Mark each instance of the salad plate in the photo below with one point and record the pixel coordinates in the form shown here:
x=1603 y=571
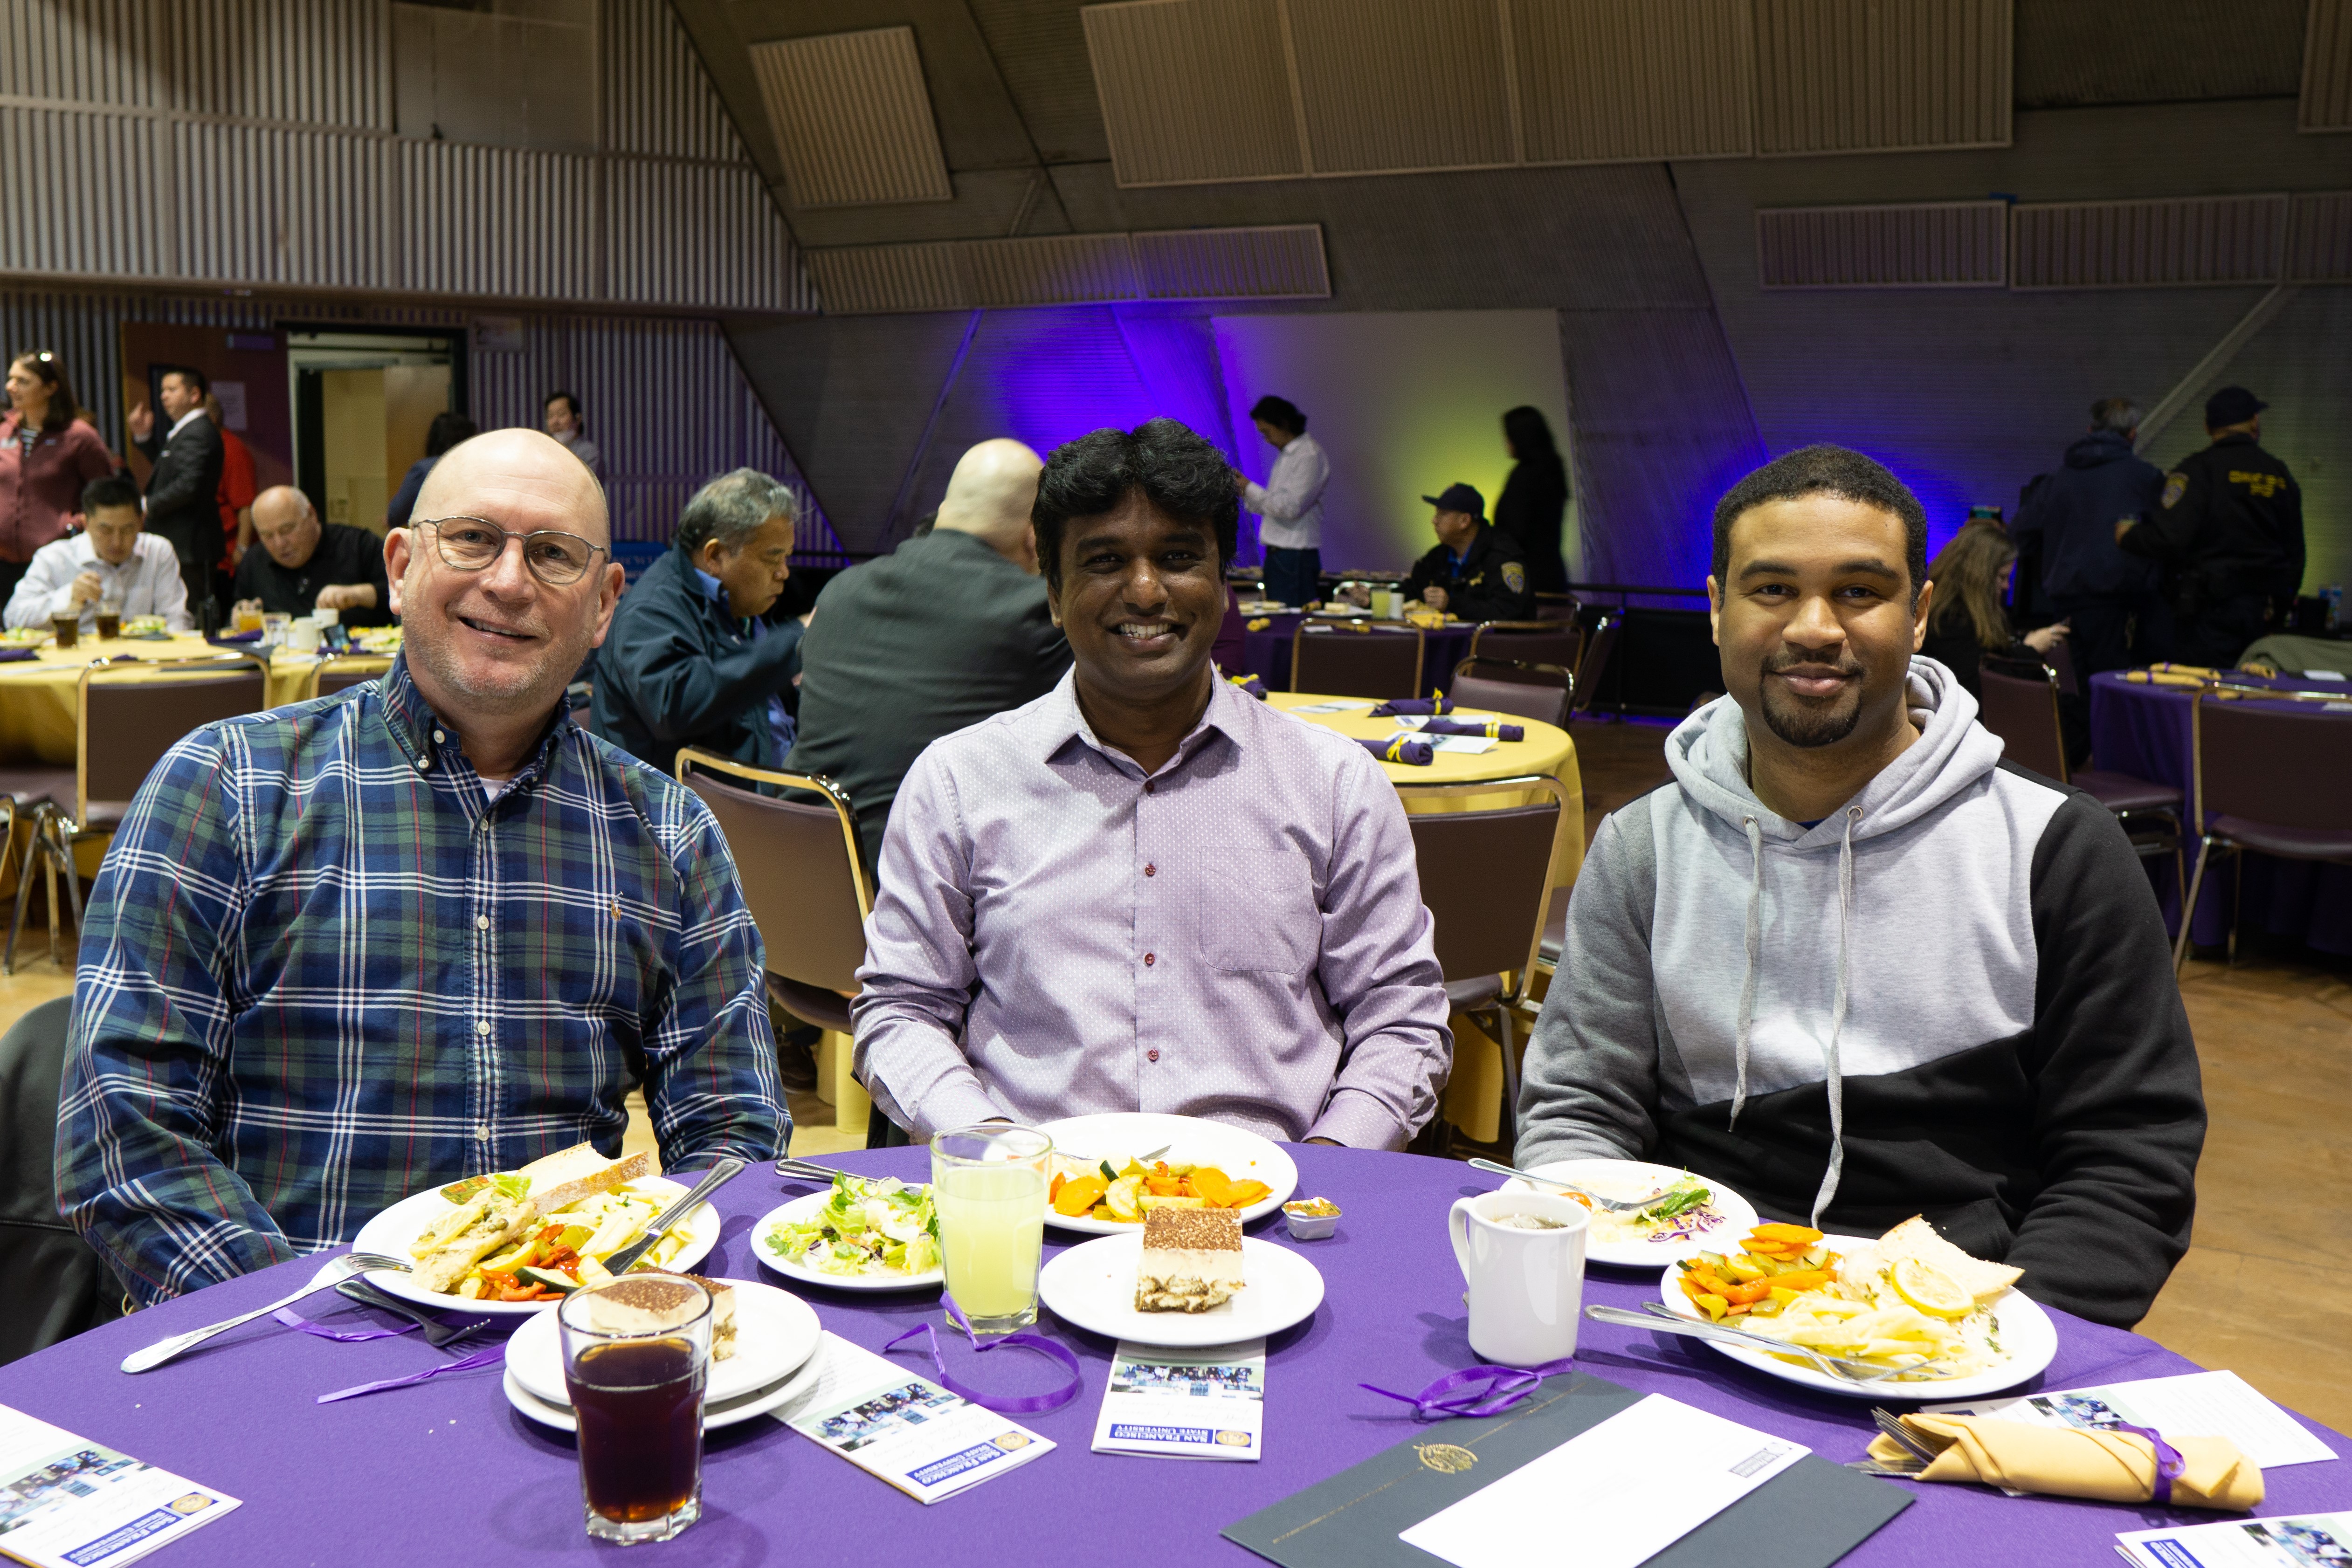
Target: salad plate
x=1647 y=1240
x=715 y=1413
x=860 y=1251
x=1092 y=1287
x=775 y=1332
x=1081 y=1142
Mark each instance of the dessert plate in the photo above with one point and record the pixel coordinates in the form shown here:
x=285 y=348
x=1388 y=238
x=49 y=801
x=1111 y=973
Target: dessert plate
x=1120 y=1135
x=775 y=1331
x=714 y=1413
x=800 y=1210
x=1092 y=1286
x=1726 y=1218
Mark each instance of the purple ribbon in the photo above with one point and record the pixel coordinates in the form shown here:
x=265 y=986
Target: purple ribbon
x=482 y=1357
x=2168 y=1462
x=1498 y=1388
x=1412 y=705
x=294 y=1319
x=1025 y=1405
x=1493 y=728
x=1402 y=749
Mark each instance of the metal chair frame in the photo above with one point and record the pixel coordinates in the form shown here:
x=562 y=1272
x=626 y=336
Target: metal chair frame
x=2170 y=830
x=319 y=671
x=1518 y=986
x=1599 y=646
x=1530 y=628
x=1366 y=627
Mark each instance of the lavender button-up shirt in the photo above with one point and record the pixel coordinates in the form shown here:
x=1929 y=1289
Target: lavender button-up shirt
x=1240 y=936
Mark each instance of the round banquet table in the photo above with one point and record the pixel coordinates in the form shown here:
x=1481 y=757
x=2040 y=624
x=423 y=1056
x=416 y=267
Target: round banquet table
x=40 y=698
x=1266 y=652
x=2144 y=729
x=447 y=1469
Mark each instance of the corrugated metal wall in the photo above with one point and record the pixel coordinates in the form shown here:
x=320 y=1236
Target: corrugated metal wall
x=1232 y=264
x=1194 y=90
x=657 y=98
x=852 y=119
x=2138 y=244
x=1928 y=244
x=542 y=247
x=321 y=62
x=1877 y=76
x=1403 y=84
x=2319 y=239
x=82 y=51
x=2328 y=68
x=87 y=192
x=1284 y=262
x=1600 y=82
x=283 y=206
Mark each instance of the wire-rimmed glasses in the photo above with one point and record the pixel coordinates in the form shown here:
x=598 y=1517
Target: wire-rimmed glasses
x=558 y=560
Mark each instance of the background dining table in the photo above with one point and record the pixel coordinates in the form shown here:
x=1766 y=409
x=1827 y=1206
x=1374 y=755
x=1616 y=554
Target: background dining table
x=40 y=698
x=448 y=1470
x=1265 y=651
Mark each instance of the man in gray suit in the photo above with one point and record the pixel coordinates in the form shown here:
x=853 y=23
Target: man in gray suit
x=181 y=509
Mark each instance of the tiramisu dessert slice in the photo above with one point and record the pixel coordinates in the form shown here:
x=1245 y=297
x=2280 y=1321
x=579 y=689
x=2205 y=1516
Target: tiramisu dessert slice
x=1191 y=1261
x=722 y=1311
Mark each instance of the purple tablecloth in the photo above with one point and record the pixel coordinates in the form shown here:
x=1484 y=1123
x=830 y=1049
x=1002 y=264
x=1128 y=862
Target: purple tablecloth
x=447 y=1470
x=1266 y=653
x=2145 y=730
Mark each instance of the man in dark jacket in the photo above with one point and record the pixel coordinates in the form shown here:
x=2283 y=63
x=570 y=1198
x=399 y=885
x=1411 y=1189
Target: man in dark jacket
x=1476 y=571
x=2230 y=530
x=945 y=632
x=690 y=662
x=2107 y=597
x=181 y=509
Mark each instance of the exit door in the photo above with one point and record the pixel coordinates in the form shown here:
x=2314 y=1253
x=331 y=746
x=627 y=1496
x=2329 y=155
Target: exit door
x=363 y=405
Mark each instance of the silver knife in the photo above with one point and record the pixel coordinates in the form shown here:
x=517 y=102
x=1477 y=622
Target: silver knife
x=725 y=1171
x=437 y=1335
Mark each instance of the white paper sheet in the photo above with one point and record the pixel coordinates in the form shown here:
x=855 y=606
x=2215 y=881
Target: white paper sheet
x=1627 y=1489
x=1205 y=1403
x=908 y=1431
x=2287 y=1541
x=68 y=1502
x=1336 y=704
x=1471 y=744
x=2193 y=1405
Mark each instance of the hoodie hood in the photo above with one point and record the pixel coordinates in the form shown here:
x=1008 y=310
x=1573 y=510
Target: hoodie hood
x=2097 y=450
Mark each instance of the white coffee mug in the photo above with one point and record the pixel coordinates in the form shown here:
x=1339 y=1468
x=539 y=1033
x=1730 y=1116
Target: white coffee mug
x=1526 y=1287
x=326 y=617
x=303 y=634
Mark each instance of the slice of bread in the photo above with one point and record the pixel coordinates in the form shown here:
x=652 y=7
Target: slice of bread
x=1915 y=1238
x=578 y=1172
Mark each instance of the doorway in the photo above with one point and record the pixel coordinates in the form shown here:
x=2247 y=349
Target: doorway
x=364 y=402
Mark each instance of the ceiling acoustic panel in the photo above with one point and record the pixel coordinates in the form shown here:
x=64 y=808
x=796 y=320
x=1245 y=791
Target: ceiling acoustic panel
x=1611 y=82
x=2328 y=66
x=2319 y=238
x=1281 y=263
x=852 y=119
x=1882 y=76
x=1391 y=85
x=866 y=279
x=1926 y=244
x=1051 y=269
x=1194 y=90
x=1285 y=262
x=2187 y=242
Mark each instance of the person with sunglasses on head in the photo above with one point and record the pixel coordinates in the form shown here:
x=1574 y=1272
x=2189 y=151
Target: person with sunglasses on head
x=48 y=453
x=427 y=929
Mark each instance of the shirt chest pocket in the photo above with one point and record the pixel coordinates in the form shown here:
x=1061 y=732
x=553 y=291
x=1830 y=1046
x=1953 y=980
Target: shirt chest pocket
x=1261 y=921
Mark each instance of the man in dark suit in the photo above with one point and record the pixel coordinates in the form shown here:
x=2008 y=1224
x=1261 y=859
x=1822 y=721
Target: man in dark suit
x=947 y=631
x=188 y=458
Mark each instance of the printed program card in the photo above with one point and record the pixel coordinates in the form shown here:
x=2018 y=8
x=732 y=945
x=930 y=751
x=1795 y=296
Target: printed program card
x=908 y=1431
x=68 y=1502
x=1336 y=704
x=1204 y=1404
x=2300 y=1540
x=2194 y=1405
x=1629 y=1489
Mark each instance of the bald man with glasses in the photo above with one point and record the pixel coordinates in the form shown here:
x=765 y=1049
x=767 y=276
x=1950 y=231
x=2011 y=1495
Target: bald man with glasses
x=427 y=928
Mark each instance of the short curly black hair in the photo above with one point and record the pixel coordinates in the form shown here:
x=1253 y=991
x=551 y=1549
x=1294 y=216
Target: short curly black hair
x=1832 y=471
x=1177 y=471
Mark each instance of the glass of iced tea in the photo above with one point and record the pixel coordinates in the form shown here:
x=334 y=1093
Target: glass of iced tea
x=66 y=629
x=636 y=1355
x=109 y=617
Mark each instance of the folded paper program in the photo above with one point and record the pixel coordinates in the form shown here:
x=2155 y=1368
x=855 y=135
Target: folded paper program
x=2131 y=1466
x=1402 y=748
x=1430 y=704
x=1493 y=728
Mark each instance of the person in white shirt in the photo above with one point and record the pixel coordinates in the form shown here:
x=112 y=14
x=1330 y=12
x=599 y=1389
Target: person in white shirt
x=115 y=561
x=1289 y=504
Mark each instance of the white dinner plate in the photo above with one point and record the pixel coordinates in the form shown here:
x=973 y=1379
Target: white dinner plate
x=1121 y=1136
x=397 y=1228
x=1092 y=1285
x=2026 y=1331
x=714 y=1413
x=775 y=1330
x=798 y=1211
x=1634 y=1178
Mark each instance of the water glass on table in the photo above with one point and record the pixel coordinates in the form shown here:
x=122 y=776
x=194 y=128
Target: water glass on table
x=1522 y=1254
x=274 y=626
x=988 y=1188
x=636 y=1359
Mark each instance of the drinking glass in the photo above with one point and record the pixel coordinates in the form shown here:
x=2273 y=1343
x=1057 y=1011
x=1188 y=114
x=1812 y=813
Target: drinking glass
x=275 y=627
x=636 y=1358
x=248 y=620
x=110 y=616
x=64 y=628
x=988 y=1187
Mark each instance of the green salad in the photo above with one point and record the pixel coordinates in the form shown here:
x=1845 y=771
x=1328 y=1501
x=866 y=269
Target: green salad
x=867 y=1225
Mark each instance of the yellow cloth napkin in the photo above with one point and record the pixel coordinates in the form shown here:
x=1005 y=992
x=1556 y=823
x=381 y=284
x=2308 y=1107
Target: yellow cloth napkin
x=2112 y=1467
x=2160 y=678
x=1258 y=625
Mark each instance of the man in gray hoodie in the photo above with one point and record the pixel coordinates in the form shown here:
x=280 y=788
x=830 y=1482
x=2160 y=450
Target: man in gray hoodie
x=1853 y=966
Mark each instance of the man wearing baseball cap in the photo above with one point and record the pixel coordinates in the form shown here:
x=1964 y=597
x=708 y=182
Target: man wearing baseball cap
x=2228 y=533
x=1474 y=571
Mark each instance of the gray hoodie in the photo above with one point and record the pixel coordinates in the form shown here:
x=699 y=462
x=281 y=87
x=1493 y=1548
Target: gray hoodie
x=1951 y=997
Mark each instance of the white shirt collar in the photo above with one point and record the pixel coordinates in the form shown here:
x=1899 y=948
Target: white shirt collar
x=195 y=413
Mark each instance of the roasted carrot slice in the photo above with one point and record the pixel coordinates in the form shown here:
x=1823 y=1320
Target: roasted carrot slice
x=1805 y=1235
x=1211 y=1184
x=1078 y=1195
x=1055 y=1191
x=1240 y=1195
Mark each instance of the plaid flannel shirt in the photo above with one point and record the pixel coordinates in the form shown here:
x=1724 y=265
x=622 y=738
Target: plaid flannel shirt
x=322 y=970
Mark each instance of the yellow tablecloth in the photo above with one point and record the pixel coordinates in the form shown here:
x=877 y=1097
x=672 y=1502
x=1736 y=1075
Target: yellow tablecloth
x=40 y=699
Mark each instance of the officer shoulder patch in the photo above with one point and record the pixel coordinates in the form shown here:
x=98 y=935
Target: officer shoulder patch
x=1514 y=576
x=2175 y=486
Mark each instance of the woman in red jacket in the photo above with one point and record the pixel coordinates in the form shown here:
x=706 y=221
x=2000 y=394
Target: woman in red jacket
x=47 y=455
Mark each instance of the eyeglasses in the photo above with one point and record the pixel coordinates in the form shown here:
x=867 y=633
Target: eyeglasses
x=470 y=544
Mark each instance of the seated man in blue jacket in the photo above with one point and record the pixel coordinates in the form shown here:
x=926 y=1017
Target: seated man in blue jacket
x=690 y=662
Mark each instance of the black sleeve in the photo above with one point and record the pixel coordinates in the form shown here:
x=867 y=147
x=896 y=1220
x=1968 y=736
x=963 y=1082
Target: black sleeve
x=193 y=476
x=2118 y=1105
x=1493 y=598
x=2291 y=525
x=2165 y=533
x=248 y=583
x=1424 y=575
x=369 y=568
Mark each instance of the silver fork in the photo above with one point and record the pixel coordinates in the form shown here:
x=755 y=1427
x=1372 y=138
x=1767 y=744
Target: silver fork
x=1659 y=1311
x=342 y=1269
x=1836 y=1366
x=1614 y=1205
x=804 y=1170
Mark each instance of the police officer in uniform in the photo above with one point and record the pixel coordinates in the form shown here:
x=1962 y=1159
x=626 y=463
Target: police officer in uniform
x=2230 y=532
x=1476 y=571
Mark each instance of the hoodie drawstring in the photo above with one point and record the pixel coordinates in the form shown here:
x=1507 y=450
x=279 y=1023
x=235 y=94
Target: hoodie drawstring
x=1836 y=1083
x=1754 y=951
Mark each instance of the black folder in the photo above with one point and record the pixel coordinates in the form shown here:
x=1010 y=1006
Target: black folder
x=1807 y=1516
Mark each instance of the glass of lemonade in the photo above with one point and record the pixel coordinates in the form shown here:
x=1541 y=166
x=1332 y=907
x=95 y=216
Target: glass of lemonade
x=988 y=1187
x=636 y=1358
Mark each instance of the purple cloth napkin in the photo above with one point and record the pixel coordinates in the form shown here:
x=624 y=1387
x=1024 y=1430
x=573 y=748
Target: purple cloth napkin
x=10 y=655
x=1493 y=728
x=1251 y=684
x=1404 y=748
x=253 y=636
x=1412 y=705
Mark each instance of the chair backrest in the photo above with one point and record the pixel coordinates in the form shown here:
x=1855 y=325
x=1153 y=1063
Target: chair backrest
x=341 y=672
x=1472 y=688
x=2061 y=664
x=133 y=713
x=2280 y=765
x=1557 y=607
x=2024 y=713
x=803 y=880
x=1485 y=875
x=1356 y=658
x=52 y=1285
x=1557 y=642
x=1600 y=646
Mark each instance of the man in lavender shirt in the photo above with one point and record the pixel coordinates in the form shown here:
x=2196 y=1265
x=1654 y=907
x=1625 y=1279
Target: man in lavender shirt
x=1148 y=890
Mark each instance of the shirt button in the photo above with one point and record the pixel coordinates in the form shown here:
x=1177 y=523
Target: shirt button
x=481 y=923
x=422 y=765
x=483 y=1026
x=1151 y=1056
x=482 y=1132
x=1150 y=959
x=439 y=737
x=1146 y=786
x=1152 y=871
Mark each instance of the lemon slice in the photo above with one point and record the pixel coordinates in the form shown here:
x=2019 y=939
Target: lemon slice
x=1930 y=1289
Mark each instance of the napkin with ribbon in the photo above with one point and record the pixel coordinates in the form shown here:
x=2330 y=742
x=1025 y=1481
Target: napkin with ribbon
x=10 y=655
x=1493 y=728
x=1402 y=748
x=2132 y=1464
x=1430 y=704
x=1250 y=684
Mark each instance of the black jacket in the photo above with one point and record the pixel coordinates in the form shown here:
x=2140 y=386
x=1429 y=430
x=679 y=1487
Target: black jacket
x=1529 y=511
x=2076 y=508
x=345 y=556
x=930 y=639
x=181 y=505
x=1492 y=584
x=2232 y=518
x=679 y=670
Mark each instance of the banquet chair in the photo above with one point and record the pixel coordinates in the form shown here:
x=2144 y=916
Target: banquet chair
x=340 y=671
x=129 y=716
x=1486 y=877
x=1600 y=647
x=1557 y=607
x=2023 y=712
x=803 y=879
x=1540 y=691
x=1549 y=642
x=2269 y=779
x=53 y=1285
x=1356 y=657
